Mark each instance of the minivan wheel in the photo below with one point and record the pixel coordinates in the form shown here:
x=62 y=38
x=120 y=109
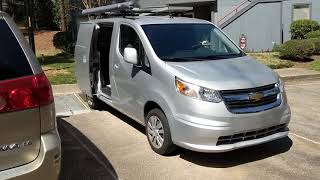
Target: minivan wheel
x=158 y=132
x=94 y=102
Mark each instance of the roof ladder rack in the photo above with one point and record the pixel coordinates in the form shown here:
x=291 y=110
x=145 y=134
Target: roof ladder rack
x=117 y=8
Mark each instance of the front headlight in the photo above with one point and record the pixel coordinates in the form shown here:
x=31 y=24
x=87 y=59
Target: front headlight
x=197 y=92
x=281 y=85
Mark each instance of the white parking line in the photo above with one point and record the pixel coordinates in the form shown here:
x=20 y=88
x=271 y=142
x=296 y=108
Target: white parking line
x=81 y=101
x=304 y=138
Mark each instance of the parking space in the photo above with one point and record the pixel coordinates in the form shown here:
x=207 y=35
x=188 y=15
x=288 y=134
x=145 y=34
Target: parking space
x=109 y=145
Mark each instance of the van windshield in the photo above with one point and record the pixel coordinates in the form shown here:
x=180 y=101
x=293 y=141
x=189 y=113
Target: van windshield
x=190 y=42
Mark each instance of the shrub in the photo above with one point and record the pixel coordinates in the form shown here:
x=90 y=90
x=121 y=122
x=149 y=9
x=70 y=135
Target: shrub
x=297 y=49
x=316 y=42
x=300 y=28
x=276 y=48
x=63 y=40
x=313 y=34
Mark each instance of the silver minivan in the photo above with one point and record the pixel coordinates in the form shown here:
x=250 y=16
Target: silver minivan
x=184 y=80
x=30 y=147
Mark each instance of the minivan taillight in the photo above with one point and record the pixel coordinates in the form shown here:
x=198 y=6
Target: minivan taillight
x=25 y=93
x=45 y=95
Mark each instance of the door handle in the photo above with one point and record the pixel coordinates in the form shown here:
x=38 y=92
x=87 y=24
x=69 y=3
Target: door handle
x=116 y=66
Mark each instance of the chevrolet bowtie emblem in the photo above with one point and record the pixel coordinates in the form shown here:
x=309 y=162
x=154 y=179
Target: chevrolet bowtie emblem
x=256 y=96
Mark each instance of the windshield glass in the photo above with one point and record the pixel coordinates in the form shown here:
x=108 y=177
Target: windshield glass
x=190 y=42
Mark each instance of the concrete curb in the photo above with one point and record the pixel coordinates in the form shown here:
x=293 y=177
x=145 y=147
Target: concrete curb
x=297 y=74
x=301 y=77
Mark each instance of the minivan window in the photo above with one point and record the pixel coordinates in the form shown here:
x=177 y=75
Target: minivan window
x=129 y=38
x=190 y=42
x=13 y=62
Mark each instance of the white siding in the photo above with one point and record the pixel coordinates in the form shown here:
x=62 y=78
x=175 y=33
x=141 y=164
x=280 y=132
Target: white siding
x=261 y=25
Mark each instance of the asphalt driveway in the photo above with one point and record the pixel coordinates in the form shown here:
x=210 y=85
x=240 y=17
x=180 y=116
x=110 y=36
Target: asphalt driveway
x=108 y=145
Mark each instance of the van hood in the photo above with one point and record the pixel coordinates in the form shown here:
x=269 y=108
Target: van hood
x=226 y=74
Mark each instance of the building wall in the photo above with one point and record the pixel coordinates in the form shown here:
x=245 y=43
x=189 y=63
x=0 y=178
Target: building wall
x=152 y=3
x=261 y=25
x=287 y=14
x=226 y=6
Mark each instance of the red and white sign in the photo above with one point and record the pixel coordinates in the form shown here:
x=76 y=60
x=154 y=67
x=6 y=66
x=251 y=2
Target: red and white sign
x=243 y=42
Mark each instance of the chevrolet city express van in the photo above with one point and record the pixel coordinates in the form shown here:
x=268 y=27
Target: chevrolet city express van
x=184 y=80
x=30 y=147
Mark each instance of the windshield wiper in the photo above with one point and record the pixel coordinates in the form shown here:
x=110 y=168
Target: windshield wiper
x=180 y=59
x=216 y=57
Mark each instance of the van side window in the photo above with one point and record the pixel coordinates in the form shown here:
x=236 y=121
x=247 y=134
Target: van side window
x=129 y=38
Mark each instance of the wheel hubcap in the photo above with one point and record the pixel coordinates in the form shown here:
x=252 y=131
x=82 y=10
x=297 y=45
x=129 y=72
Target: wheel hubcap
x=89 y=101
x=155 y=132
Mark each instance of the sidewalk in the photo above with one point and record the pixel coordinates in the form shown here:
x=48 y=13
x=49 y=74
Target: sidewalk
x=65 y=89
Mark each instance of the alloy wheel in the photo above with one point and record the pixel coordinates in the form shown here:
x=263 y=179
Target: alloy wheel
x=155 y=132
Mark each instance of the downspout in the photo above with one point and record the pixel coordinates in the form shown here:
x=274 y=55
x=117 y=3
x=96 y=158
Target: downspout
x=281 y=23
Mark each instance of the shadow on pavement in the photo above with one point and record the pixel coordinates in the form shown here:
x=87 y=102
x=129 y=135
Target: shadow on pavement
x=125 y=119
x=81 y=159
x=238 y=157
x=218 y=160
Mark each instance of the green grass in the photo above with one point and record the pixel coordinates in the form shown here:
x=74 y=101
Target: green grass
x=315 y=65
x=272 y=60
x=59 y=68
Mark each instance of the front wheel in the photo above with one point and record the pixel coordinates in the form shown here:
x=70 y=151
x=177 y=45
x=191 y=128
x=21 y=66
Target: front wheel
x=158 y=132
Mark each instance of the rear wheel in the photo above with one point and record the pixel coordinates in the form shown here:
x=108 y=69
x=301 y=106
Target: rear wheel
x=158 y=132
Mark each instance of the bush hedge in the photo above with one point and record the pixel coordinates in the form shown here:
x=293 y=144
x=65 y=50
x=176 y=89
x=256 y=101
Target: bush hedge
x=313 y=34
x=300 y=28
x=297 y=49
x=276 y=48
x=63 y=40
x=316 y=42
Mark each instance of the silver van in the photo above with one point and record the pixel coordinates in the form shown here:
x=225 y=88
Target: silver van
x=184 y=80
x=30 y=146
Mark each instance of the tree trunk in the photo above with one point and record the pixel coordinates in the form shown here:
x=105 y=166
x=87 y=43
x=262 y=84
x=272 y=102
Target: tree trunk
x=63 y=16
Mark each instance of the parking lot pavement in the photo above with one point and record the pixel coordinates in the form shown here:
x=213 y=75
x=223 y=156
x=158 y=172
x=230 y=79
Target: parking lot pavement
x=69 y=104
x=108 y=145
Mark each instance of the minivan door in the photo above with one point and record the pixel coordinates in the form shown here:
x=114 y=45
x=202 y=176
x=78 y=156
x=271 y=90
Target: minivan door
x=129 y=79
x=84 y=57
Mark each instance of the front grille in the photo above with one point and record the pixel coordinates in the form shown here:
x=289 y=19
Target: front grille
x=252 y=100
x=224 y=140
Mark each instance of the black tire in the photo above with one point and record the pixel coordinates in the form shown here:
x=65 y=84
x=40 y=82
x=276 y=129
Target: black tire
x=94 y=102
x=167 y=146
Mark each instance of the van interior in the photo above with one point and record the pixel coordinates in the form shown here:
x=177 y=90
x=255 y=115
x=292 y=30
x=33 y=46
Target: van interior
x=100 y=66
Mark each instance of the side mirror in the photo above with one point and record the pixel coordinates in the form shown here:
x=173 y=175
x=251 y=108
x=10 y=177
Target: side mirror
x=131 y=55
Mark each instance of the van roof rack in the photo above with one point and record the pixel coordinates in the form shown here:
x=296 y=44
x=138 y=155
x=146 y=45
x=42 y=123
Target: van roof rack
x=129 y=8
x=118 y=9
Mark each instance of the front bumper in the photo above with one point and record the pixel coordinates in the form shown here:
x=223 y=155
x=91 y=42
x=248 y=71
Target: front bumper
x=203 y=137
x=47 y=164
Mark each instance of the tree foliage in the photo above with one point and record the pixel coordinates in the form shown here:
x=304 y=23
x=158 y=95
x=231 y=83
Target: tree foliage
x=300 y=28
x=44 y=14
x=15 y=8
